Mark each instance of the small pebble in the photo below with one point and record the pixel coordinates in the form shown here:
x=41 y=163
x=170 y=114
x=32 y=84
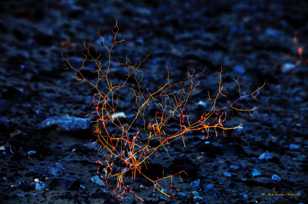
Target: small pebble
x=182 y=194
x=195 y=184
x=209 y=187
x=118 y=115
x=196 y=195
x=287 y=67
x=39 y=185
x=266 y=156
x=202 y=103
x=56 y=169
x=227 y=174
x=294 y=146
x=66 y=123
x=272 y=33
x=97 y=180
x=255 y=173
x=239 y=69
x=31 y=152
x=234 y=167
x=244 y=196
x=92 y=146
x=276 y=178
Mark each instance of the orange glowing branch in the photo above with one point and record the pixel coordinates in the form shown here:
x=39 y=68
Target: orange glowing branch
x=129 y=146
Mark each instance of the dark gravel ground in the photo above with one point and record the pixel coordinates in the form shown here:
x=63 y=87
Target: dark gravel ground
x=255 y=42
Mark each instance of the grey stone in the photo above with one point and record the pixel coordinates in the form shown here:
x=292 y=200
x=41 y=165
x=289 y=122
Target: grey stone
x=67 y=123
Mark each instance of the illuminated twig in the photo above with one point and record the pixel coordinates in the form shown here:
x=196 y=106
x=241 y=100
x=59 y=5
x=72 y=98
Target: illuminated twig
x=128 y=146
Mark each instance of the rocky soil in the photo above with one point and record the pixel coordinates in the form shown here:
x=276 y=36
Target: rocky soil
x=47 y=145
